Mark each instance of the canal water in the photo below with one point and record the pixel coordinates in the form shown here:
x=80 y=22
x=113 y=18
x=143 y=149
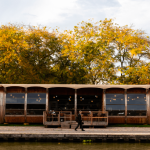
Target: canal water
x=72 y=146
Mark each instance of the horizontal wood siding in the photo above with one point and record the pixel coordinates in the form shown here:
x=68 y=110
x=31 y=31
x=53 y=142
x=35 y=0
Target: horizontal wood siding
x=89 y=91
x=136 y=90
x=36 y=90
x=34 y=119
x=115 y=90
x=14 y=119
x=61 y=91
x=15 y=90
x=135 y=120
x=115 y=120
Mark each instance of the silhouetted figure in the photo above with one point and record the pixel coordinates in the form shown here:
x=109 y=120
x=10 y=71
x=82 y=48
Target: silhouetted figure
x=79 y=120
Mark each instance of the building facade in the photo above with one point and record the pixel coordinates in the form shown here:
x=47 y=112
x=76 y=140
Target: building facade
x=25 y=103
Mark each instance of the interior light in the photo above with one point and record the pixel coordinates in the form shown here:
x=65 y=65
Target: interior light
x=137 y=97
x=144 y=97
x=58 y=100
x=122 y=99
x=96 y=96
x=70 y=100
x=128 y=100
x=92 y=101
x=114 y=95
x=22 y=96
x=70 y=96
x=38 y=94
x=37 y=100
x=110 y=100
x=13 y=97
x=114 y=99
x=128 y=97
x=56 y=95
x=145 y=100
x=53 y=96
x=80 y=97
x=10 y=94
x=65 y=107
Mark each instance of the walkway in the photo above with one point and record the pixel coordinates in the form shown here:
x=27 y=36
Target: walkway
x=100 y=134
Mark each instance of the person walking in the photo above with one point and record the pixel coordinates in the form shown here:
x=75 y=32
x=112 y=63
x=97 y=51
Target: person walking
x=79 y=120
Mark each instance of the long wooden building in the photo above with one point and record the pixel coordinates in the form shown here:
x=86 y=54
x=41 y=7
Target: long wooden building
x=25 y=103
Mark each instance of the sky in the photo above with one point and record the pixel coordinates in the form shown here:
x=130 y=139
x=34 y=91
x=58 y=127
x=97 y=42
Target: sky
x=65 y=14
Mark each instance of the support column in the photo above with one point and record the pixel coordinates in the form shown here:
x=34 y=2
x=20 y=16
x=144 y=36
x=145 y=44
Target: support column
x=1 y=106
x=75 y=103
x=4 y=104
x=147 y=105
x=104 y=100
x=125 y=105
x=47 y=101
x=25 y=105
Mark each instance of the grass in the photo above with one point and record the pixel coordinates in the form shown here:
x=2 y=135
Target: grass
x=21 y=124
x=128 y=125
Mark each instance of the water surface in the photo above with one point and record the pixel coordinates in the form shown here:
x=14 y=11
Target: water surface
x=72 y=146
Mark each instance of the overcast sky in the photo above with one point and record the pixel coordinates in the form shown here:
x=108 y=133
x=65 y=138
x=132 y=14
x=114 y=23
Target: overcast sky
x=67 y=13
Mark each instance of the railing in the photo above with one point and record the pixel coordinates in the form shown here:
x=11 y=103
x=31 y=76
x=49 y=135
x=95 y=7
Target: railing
x=56 y=117
x=94 y=117
x=65 y=117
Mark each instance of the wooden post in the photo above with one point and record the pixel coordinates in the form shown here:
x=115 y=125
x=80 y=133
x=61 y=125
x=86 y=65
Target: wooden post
x=104 y=100
x=25 y=105
x=147 y=106
x=91 y=117
x=75 y=103
x=4 y=104
x=125 y=105
x=1 y=106
x=59 y=118
x=47 y=101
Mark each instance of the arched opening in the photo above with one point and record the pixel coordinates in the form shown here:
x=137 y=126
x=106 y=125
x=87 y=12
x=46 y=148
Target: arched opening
x=136 y=102
x=15 y=105
x=89 y=99
x=115 y=101
x=36 y=100
x=61 y=99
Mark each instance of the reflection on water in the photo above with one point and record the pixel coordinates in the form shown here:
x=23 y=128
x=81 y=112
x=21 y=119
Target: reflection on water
x=72 y=146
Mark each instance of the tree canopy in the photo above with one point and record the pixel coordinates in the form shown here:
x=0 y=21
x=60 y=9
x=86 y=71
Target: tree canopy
x=91 y=53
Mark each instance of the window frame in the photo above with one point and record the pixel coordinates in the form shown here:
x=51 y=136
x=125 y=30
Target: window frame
x=137 y=104
x=15 y=104
x=28 y=115
x=116 y=104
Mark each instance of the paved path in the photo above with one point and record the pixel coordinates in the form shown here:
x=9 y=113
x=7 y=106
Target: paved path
x=42 y=130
